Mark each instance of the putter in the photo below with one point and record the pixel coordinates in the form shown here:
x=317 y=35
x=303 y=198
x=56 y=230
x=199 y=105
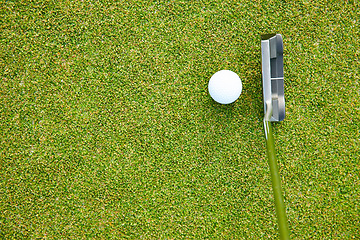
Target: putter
x=274 y=111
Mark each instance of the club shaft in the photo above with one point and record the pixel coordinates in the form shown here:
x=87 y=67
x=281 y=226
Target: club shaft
x=276 y=183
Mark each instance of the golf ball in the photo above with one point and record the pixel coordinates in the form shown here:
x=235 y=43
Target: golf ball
x=225 y=86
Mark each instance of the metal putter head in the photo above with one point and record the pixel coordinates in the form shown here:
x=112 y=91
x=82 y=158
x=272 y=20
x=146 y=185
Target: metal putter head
x=273 y=76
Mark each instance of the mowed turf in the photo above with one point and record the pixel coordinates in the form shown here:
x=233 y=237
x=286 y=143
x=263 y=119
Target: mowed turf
x=107 y=130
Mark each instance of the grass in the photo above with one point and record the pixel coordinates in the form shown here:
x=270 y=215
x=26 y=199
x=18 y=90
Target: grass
x=107 y=130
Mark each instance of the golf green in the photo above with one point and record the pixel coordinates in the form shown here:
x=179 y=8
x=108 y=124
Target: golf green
x=107 y=130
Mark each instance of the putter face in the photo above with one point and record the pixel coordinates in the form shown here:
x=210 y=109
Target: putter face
x=273 y=75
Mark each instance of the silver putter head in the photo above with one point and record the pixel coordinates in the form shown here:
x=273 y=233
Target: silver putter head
x=273 y=75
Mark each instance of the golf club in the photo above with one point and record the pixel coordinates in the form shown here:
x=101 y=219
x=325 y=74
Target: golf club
x=274 y=111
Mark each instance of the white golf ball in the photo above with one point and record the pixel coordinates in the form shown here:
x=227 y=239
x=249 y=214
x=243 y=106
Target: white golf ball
x=225 y=86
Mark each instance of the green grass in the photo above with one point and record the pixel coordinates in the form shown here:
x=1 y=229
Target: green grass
x=107 y=130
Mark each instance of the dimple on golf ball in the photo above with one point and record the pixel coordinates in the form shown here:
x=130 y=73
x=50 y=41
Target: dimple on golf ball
x=225 y=87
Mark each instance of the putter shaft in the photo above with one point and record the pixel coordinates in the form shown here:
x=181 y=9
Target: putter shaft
x=276 y=183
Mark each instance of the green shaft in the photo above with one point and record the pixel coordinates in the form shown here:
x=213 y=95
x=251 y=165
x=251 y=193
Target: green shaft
x=276 y=183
